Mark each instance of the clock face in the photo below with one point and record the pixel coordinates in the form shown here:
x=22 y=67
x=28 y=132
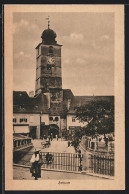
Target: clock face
x=51 y=60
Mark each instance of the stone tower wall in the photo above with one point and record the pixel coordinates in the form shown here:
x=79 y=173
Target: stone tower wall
x=47 y=75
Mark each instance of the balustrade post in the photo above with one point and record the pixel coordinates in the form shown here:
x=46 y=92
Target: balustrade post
x=90 y=144
x=94 y=146
x=85 y=162
x=16 y=143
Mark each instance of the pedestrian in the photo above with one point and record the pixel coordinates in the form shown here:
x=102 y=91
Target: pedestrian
x=51 y=137
x=56 y=137
x=49 y=140
x=79 y=153
x=106 y=141
x=49 y=158
x=36 y=165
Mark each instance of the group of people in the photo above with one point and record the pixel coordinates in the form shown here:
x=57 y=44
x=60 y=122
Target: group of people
x=69 y=143
x=49 y=137
x=105 y=139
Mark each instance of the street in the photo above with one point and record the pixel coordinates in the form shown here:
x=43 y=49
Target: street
x=20 y=173
x=56 y=146
x=23 y=172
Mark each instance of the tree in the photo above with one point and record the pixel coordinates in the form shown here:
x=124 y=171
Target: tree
x=76 y=139
x=99 y=116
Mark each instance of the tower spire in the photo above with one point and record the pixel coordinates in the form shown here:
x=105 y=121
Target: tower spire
x=48 y=18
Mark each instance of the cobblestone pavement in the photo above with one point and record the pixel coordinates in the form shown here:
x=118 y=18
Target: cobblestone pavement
x=20 y=173
x=56 y=146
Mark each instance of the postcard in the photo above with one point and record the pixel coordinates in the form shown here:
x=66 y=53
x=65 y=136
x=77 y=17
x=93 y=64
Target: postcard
x=64 y=97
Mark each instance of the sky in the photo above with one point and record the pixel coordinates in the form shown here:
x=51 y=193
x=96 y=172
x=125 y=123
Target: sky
x=87 y=51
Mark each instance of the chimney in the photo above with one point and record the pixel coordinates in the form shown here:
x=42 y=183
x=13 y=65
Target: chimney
x=68 y=103
x=31 y=94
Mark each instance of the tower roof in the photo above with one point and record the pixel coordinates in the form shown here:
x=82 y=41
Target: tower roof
x=48 y=36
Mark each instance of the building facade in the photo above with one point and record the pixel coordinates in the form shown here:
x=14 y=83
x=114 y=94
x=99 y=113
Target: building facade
x=51 y=109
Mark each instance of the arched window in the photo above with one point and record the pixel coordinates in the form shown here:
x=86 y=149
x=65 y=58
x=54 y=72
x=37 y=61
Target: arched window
x=56 y=118
x=50 y=118
x=50 y=50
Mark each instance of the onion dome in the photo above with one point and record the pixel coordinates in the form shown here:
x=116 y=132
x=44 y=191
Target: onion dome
x=48 y=36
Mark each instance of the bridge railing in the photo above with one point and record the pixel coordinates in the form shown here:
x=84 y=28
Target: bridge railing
x=101 y=164
x=61 y=161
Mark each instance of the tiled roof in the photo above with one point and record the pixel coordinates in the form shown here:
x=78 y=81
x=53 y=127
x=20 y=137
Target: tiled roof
x=22 y=103
x=67 y=94
x=82 y=100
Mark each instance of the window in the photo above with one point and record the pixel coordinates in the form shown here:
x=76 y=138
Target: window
x=50 y=118
x=53 y=97
x=14 y=120
x=58 y=95
x=15 y=143
x=48 y=67
x=23 y=120
x=42 y=69
x=73 y=119
x=50 y=49
x=56 y=118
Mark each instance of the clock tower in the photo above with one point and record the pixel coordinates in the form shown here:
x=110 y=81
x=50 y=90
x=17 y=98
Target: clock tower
x=48 y=66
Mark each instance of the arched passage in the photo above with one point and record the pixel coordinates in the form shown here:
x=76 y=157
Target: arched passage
x=54 y=129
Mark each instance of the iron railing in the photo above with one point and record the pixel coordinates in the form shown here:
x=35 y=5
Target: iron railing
x=101 y=164
x=62 y=161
